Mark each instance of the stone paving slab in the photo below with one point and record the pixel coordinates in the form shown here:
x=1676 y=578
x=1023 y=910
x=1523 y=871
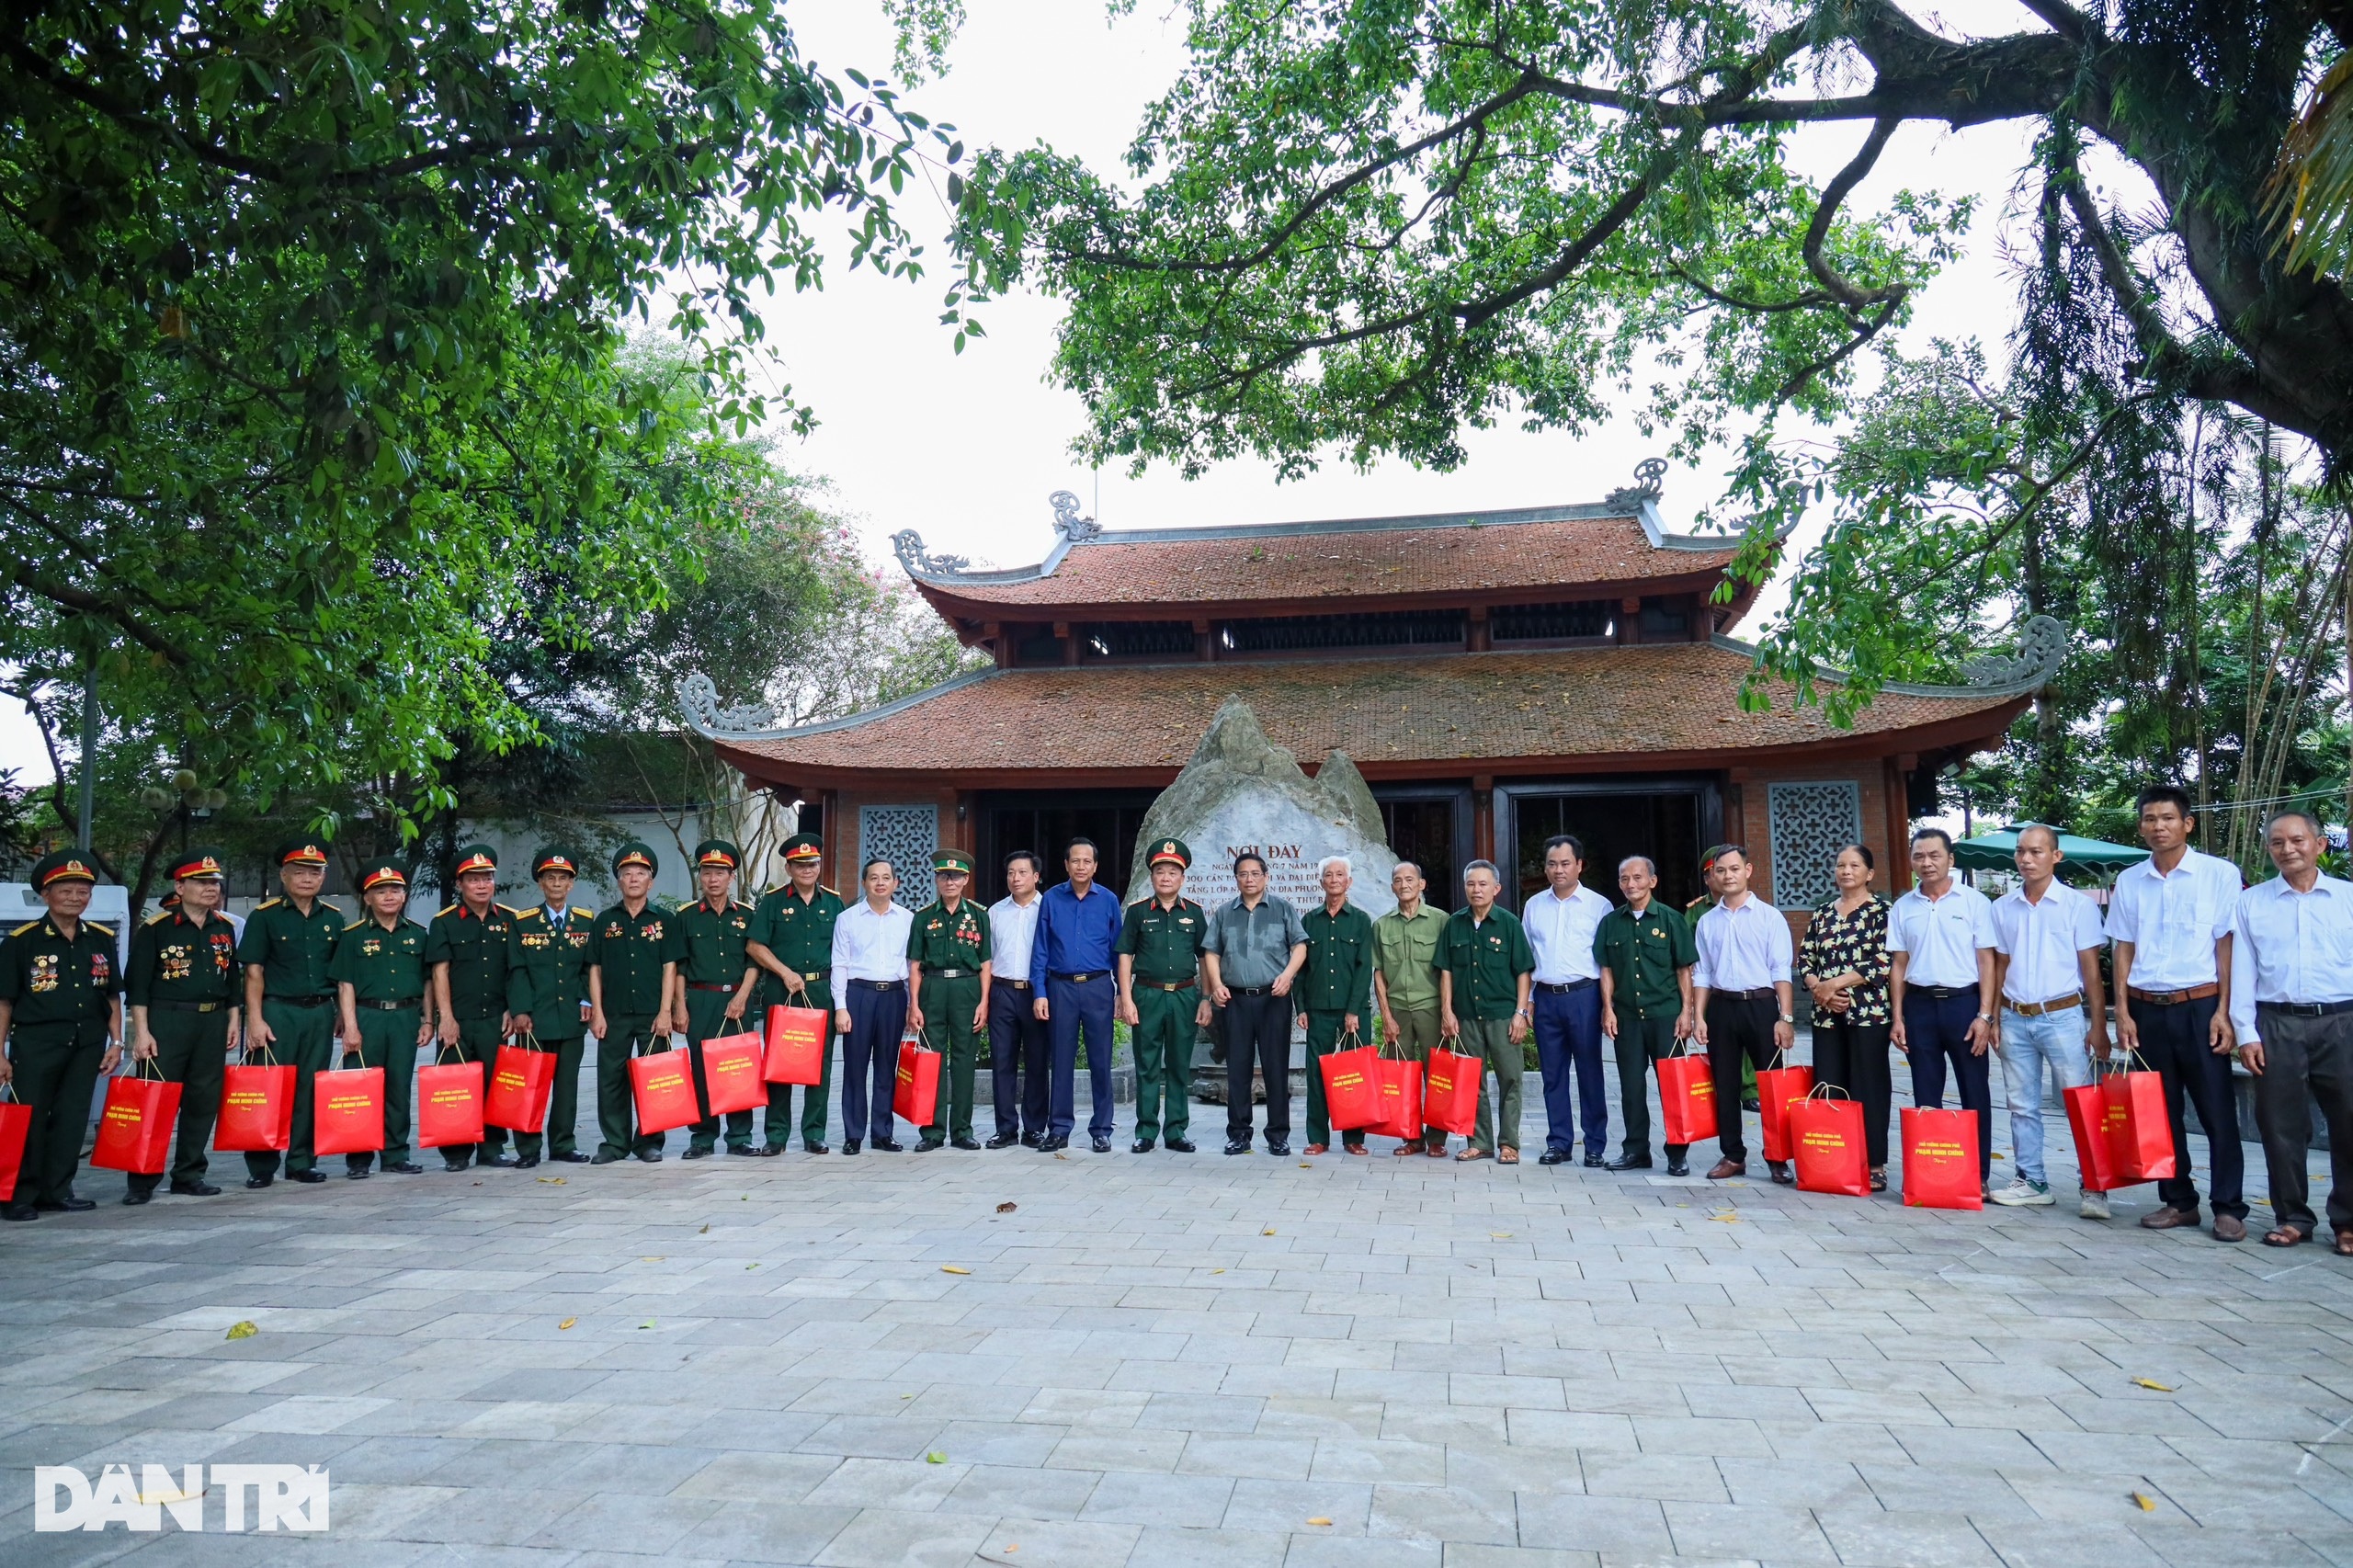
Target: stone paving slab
x=1163 y=1360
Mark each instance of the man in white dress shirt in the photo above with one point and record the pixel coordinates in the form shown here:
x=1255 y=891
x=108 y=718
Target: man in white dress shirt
x=2291 y=1006
x=1740 y=988
x=2170 y=918
x=1567 y=997
x=871 y=970
x=1940 y=981
x=2046 y=966
x=1020 y=1040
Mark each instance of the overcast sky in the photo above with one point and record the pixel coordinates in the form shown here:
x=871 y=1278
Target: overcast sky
x=965 y=448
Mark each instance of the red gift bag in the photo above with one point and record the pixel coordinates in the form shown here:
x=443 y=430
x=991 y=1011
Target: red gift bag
x=796 y=1046
x=2088 y=1120
x=1450 y=1091
x=135 y=1129
x=917 y=1096
x=1398 y=1084
x=15 y=1122
x=2140 y=1134
x=256 y=1108
x=662 y=1083
x=1687 y=1097
x=731 y=1074
x=1775 y=1088
x=1940 y=1160
x=1825 y=1139
x=448 y=1104
x=1350 y=1097
x=520 y=1081
x=347 y=1110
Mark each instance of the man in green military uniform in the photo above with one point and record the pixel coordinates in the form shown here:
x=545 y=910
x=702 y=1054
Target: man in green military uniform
x=182 y=988
x=948 y=966
x=289 y=997
x=1161 y=999
x=792 y=940
x=547 y=997
x=385 y=1002
x=1404 y=986
x=1484 y=966
x=715 y=983
x=1645 y=952
x=465 y=950
x=633 y=953
x=61 y=1018
x=1334 y=993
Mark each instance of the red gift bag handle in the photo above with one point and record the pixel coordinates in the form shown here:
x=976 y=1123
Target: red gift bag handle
x=439 y=1048
x=1827 y=1089
x=245 y=1049
x=533 y=1037
x=149 y=1062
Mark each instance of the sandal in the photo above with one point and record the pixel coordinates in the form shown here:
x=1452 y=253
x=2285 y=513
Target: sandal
x=1405 y=1149
x=1474 y=1154
x=1435 y=1152
x=2345 y=1242
x=2286 y=1237
x=1507 y=1157
x=1879 y=1181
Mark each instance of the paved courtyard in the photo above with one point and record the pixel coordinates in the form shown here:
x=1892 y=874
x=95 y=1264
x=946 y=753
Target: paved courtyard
x=1098 y=1361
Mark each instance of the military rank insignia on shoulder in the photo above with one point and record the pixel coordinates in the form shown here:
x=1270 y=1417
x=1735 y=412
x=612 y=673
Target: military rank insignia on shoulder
x=267 y=903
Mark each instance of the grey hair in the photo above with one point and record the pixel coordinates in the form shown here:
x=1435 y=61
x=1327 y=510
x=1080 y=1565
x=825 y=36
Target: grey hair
x=1486 y=866
x=1329 y=861
x=1648 y=864
x=2307 y=818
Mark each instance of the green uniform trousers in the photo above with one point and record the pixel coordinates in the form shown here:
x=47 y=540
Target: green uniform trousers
x=1416 y=1038
x=814 y=1097
x=1641 y=1042
x=1490 y=1041
x=305 y=1040
x=707 y=1019
x=626 y=1035
x=191 y=1049
x=56 y=1068
x=563 y=1097
x=388 y=1039
x=1163 y=1041
x=947 y=1007
x=478 y=1042
x=1324 y=1037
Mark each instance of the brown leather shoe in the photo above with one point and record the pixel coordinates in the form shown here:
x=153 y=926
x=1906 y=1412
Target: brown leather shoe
x=1318 y=1149
x=2229 y=1228
x=2168 y=1219
x=1725 y=1168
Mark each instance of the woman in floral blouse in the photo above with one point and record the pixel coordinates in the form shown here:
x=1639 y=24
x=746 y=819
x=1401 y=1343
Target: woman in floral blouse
x=1843 y=961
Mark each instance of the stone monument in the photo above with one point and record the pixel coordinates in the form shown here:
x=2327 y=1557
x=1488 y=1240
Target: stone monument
x=1241 y=791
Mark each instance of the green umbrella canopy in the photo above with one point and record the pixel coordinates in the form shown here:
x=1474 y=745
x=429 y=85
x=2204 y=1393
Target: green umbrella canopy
x=1997 y=852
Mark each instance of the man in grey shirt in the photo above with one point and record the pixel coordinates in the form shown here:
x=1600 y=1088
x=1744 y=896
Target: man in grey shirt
x=1253 y=950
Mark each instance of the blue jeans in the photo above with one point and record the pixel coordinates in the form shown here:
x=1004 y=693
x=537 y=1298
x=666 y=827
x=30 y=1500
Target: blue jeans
x=1568 y=1035
x=2026 y=1044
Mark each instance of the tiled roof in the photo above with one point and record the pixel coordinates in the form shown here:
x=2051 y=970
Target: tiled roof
x=1587 y=705
x=1396 y=558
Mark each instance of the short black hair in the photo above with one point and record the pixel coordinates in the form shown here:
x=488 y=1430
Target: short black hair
x=1085 y=844
x=2173 y=795
x=863 y=871
x=1036 y=865
x=1933 y=833
x=1568 y=841
x=2025 y=827
x=1869 y=864
x=1248 y=855
x=1725 y=849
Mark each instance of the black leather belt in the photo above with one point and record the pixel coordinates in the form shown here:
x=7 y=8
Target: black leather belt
x=1080 y=977
x=1753 y=994
x=1941 y=993
x=701 y=985
x=1251 y=989
x=300 y=1000
x=1562 y=989
x=1016 y=985
x=394 y=1006
x=193 y=1006
x=951 y=973
x=1167 y=985
x=2307 y=1009
x=881 y=985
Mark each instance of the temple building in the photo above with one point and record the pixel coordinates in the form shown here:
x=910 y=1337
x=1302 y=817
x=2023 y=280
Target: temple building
x=1498 y=677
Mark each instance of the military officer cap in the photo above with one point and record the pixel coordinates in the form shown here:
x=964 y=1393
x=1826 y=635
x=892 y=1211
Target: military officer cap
x=303 y=852
x=381 y=872
x=550 y=859
x=203 y=863
x=63 y=866
x=1715 y=852
x=1172 y=849
x=635 y=853
x=476 y=857
x=951 y=863
x=169 y=901
x=804 y=847
x=717 y=852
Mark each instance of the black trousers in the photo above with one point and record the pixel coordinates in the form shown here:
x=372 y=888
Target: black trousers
x=1935 y=1032
x=2174 y=1040
x=1853 y=1057
x=1739 y=1031
x=2306 y=1061
x=1019 y=1050
x=1639 y=1042
x=877 y=1020
x=1258 y=1035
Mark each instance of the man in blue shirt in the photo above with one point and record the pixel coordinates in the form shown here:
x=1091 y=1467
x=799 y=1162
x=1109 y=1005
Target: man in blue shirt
x=1070 y=974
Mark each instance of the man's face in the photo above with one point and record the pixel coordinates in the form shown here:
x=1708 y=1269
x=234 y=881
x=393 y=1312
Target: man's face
x=1336 y=880
x=1635 y=880
x=1250 y=879
x=1020 y=878
x=67 y=898
x=881 y=881
x=714 y=880
x=1080 y=864
x=1562 y=868
x=386 y=900
x=2163 y=827
x=2035 y=856
x=1407 y=882
x=1167 y=879
x=1931 y=861
x=951 y=884
x=556 y=886
x=2293 y=849
x=199 y=895
x=1731 y=875
x=635 y=881
x=304 y=881
x=475 y=887
x=1479 y=885
x=803 y=874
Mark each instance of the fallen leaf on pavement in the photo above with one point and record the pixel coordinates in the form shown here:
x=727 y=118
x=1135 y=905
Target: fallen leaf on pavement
x=951 y=1268
x=1499 y=1235
x=2161 y=1388
x=567 y=1322
x=244 y=1330
x=1007 y=1208
x=1319 y=1520
x=934 y=1456
x=550 y=1181
x=1267 y=1231
x=2147 y=1506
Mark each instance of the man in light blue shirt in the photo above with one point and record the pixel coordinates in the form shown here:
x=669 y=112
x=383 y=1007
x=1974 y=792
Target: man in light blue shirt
x=1740 y=988
x=1070 y=974
x=1560 y=922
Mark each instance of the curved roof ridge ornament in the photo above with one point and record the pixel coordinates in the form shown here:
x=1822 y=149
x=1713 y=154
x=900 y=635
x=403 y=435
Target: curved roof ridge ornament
x=2042 y=648
x=1650 y=483
x=699 y=699
x=918 y=561
x=1067 y=522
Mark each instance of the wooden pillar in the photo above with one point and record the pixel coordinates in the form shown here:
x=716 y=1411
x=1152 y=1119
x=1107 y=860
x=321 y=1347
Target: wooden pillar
x=992 y=633
x=1899 y=824
x=1630 y=620
x=1479 y=640
x=956 y=826
x=1205 y=641
x=1483 y=818
x=1063 y=630
x=835 y=844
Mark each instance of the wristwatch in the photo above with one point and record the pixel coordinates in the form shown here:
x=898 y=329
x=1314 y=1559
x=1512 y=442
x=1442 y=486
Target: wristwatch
x=1984 y=1018
x=1789 y=1017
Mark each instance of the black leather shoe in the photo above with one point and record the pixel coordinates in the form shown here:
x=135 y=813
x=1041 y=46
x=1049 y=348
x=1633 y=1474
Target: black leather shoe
x=410 y=1167
x=1051 y=1143
x=602 y=1158
x=887 y=1146
x=1629 y=1163
x=1279 y=1150
x=1779 y=1171
x=651 y=1156
x=18 y=1211
x=1004 y=1141
x=571 y=1157
x=968 y=1142
x=362 y=1174
x=1141 y=1146
x=1237 y=1145
x=258 y=1183
x=133 y=1199
x=770 y=1151
x=809 y=1146
x=526 y=1161
x=1031 y=1140
x=749 y=1151
x=501 y=1162
x=196 y=1189
x=696 y=1153
x=1554 y=1157
x=308 y=1179
x=850 y=1145
x=925 y=1146
x=1102 y=1145
x=1678 y=1167
x=1593 y=1163
x=1750 y=1105
x=453 y=1166
x=1181 y=1146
